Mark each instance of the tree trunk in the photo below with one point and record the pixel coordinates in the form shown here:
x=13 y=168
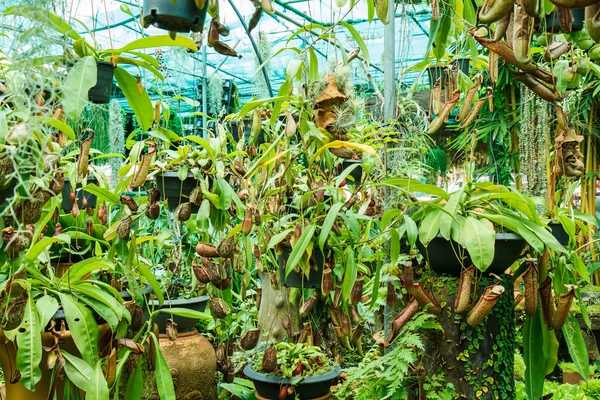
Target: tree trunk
x=478 y=361
x=274 y=306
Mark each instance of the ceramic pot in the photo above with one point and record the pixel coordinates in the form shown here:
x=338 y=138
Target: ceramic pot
x=8 y=359
x=193 y=365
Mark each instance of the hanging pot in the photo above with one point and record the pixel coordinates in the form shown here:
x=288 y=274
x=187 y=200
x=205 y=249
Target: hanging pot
x=553 y=25
x=558 y=231
x=436 y=72
x=443 y=255
x=298 y=279
x=100 y=93
x=176 y=191
x=175 y=16
x=310 y=387
x=81 y=194
x=234 y=127
x=356 y=173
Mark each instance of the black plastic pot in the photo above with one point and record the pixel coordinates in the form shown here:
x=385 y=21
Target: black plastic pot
x=176 y=16
x=298 y=279
x=463 y=65
x=436 y=72
x=174 y=190
x=100 y=93
x=443 y=254
x=125 y=295
x=235 y=133
x=183 y=324
x=356 y=173
x=310 y=387
x=558 y=231
x=553 y=26
x=66 y=192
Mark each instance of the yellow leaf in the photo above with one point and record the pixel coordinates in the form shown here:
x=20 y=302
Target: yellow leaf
x=336 y=144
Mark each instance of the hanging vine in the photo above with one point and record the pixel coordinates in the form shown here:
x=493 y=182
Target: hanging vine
x=533 y=141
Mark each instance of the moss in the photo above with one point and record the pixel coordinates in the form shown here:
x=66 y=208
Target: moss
x=570 y=367
x=591 y=289
x=592 y=389
x=519 y=372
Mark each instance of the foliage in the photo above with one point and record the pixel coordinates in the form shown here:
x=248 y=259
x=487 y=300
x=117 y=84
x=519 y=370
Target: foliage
x=384 y=376
x=291 y=356
x=215 y=94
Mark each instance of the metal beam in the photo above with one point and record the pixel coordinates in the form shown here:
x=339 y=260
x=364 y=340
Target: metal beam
x=254 y=46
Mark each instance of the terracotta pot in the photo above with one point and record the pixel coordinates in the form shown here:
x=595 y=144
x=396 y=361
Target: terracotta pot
x=572 y=378
x=8 y=362
x=193 y=364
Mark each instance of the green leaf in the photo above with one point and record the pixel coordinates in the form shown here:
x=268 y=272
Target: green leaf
x=139 y=103
x=184 y=312
x=151 y=279
x=138 y=63
x=78 y=371
x=299 y=249
x=83 y=327
x=412 y=232
x=350 y=273
x=149 y=42
x=43 y=244
x=57 y=124
x=430 y=226
x=29 y=347
x=533 y=357
x=46 y=306
x=447 y=218
x=135 y=384
x=415 y=186
x=480 y=239
x=164 y=382
x=394 y=246
x=328 y=223
x=98 y=388
x=358 y=39
x=80 y=79
x=102 y=194
x=104 y=311
x=581 y=268
x=576 y=346
x=313 y=69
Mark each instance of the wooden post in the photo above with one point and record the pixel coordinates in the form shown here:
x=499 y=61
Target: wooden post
x=478 y=361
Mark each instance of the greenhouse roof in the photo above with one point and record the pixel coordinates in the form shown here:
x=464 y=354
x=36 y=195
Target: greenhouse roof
x=114 y=23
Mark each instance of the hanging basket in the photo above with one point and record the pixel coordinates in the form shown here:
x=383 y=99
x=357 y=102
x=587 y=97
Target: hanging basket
x=174 y=190
x=175 y=16
x=553 y=26
x=100 y=93
x=443 y=255
x=298 y=279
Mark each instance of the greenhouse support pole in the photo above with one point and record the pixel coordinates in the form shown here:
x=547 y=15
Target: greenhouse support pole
x=204 y=89
x=389 y=66
x=389 y=113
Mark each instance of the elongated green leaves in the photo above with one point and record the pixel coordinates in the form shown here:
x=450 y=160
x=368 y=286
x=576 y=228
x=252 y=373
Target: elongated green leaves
x=140 y=103
x=78 y=371
x=29 y=342
x=480 y=238
x=135 y=384
x=576 y=345
x=83 y=327
x=46 y=306
x=98 y=388
x=328 y=223
x=299 y=249
x=164 y=382
x=430 y=226
x=80 y=79
x=350 y=273
x=534 y=356
x=358 y=39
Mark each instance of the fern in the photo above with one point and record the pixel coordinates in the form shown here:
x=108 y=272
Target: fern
x=386 y=376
